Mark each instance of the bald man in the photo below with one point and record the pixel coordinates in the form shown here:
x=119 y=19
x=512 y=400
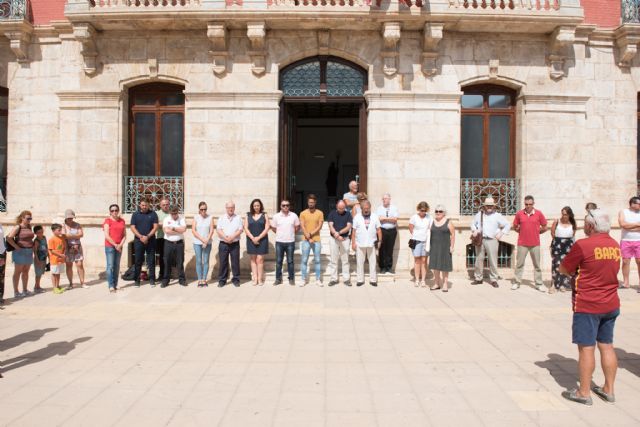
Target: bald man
x=229 y=231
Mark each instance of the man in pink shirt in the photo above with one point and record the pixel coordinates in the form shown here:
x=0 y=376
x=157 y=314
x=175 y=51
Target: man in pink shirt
x=529 y=223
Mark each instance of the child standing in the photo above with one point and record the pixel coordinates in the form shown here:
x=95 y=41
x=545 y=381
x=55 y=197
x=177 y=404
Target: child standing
x=57 y=257
x=40 y=255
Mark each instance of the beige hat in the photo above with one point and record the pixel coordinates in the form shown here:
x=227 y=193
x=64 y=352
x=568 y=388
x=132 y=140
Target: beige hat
x=69 y=214
x=489 y=202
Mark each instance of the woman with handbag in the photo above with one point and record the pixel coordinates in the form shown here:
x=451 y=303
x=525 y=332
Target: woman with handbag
x=420 y=229
x=21 y=241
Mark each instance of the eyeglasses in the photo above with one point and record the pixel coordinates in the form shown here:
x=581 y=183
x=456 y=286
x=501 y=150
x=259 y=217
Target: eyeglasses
x=437 y=211
x=284 y=206
x=113 y=210
x=28 y=218
x=203 y=209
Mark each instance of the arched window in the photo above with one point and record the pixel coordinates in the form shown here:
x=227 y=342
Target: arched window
x=157 y=130
x=322 y=77
x=156 y=145
x=487 y=149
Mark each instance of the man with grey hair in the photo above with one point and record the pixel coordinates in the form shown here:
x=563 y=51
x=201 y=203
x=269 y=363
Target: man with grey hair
x=351 y=198
x=340 y=222
x=162 y=213
x=229 y=229
x=491 y=225
x=365 y=238
x=388 y=215
x=595 y=263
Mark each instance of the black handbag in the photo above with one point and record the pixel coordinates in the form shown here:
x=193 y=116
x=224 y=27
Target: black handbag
x=413 y=243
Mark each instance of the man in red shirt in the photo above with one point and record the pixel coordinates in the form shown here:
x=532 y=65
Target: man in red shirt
x=595 y=304
x=530 y=224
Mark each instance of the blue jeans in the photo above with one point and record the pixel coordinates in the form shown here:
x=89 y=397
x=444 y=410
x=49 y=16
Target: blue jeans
x=113 y=266
x=202 y=261
x=305 y=248
x=281 y=248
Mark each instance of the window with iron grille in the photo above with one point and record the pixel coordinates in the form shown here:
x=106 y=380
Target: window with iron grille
x=505 y=252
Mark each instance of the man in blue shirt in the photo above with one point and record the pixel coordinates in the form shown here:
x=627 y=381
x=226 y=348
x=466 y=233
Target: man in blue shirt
x=144 y=224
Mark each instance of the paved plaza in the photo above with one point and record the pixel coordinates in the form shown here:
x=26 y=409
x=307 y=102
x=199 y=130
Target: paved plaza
x=395 y=355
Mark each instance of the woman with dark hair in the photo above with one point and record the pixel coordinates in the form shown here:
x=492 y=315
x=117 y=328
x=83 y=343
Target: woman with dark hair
x=590 y=206
x=563 y=233
x=114 y=229
x=256 y=227
x=202 y=229
x=21 y=238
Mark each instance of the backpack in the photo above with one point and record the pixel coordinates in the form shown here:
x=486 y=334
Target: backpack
x=130 y=274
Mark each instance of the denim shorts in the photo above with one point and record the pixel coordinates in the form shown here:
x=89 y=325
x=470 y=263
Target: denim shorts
x=587 y=328
x=22 y=256
x=420 y=249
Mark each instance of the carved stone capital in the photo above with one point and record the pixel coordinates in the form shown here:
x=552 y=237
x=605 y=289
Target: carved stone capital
x=218 y=36
x=390 y=37
x=559 y=44
x=627 y=39
x=257 y=34
x=432 y=36
x=85 y=34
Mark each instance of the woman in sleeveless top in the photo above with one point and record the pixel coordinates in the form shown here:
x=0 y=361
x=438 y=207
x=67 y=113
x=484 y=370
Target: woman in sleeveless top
x=420 y=230
x=256 y=228
x=442 y=242
x=21 y=238
x=563 y=232
x=73 y=233
x=202 y=229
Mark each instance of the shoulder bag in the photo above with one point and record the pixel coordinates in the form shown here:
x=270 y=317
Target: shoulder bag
x=477 y=239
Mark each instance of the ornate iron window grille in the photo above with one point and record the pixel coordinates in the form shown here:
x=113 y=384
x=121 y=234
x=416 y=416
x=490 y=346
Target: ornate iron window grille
x=505 y=252
x=505 y=193
x=154 y=188
x=323 y=77
x=14 y=9
x=630 y=11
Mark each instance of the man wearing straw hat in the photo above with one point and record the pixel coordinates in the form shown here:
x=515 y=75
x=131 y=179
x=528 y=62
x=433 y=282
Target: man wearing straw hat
x=492 y=226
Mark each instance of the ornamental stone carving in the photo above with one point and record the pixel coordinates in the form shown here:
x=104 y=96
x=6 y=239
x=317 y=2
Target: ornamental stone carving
x=432 y=36
x=85 y=34
x=257 y=32
x=391 y=37
x=218 y=36
x=559 y=45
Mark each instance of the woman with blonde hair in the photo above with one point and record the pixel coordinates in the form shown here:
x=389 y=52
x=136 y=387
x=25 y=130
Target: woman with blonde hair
x=420 y=229
x=443 y=237
x=21 y=238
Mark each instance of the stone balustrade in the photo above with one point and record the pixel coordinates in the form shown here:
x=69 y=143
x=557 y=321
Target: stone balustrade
x=506 y=5
x=145 y=4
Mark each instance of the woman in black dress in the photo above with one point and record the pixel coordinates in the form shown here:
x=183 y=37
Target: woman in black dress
x=442 y=240
x=256 y=227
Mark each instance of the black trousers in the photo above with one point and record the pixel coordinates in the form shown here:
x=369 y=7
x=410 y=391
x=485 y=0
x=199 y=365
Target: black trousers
x=2 y=268
x=385 y=253
x=173 y=253
x=226 y=251
x=140 y=249
x=160 y=254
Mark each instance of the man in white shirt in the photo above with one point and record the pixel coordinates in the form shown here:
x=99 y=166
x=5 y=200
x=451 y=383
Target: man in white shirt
x=285 y=224
x=492 y=226
x=388 y=215
x=229 y=230
x=173 y=227
x=365 y=238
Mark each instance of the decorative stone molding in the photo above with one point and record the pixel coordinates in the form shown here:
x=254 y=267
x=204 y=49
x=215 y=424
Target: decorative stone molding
x=391 y=37
x=153 y=67
x=561 y=40
x=407 y=101
x=494 y=64
x=233 y=100
x=627 y=38
x=432 y=36
x=218 y=35
x=85 y=34
x=323 y=42
x=257 y=32
x=534 y=103
x=72 y=100
x=19 y=35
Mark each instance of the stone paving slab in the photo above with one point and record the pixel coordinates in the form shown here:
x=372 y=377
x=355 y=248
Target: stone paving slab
x=395 y=355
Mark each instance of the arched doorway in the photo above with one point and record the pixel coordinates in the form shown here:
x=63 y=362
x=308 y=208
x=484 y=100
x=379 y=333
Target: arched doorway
x=323 y=124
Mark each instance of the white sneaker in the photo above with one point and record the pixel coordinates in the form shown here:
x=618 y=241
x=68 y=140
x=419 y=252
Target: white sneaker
x=85 y=286
x=541 y=288
x=417 y=283
x=515 y=286
x=302 y=283
x=319 y=283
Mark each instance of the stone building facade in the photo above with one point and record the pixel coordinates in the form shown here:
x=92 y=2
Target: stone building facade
x=445 y=101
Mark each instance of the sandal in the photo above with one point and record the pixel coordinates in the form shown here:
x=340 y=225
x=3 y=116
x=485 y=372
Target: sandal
x=434 y=288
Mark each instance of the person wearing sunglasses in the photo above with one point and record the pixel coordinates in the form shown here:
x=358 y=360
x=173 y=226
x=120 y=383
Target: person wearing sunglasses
x=202 y=229
x=21 y=239
x=629 y=220
x=595 y=263
x=443 y=238
x=529 y=223
x=285 y=224
x=114 y=228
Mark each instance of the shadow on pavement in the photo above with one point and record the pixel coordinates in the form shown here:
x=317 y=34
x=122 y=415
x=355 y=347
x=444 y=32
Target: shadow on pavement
x=24 y=337
x=628 y=361
x=60 y=348
x=563 y=369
